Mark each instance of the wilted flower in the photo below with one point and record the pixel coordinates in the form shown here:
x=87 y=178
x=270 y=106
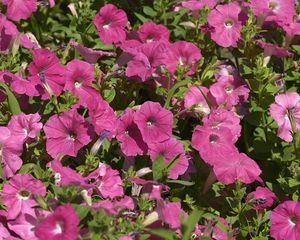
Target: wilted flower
x=262 y=198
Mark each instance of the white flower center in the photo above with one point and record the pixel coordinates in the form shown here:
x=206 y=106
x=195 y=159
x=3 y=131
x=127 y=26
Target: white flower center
x=59 y=227
x=274 y=5
x=23 y=195
x=228 y=23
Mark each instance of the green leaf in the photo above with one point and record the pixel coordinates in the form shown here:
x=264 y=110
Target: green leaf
x=181 y=182
x=158 y=168
x=141 y=17
x=109 y=95
x=149 y=11
x=164 y=234
x=189 y=225
x=12 y=101
x=172 y=163
x=81 y=210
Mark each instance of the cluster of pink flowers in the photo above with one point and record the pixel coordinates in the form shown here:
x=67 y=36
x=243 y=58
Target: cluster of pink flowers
x=144 y=130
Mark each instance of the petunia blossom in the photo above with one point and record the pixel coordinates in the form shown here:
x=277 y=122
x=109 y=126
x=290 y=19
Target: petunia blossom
x=286 y=112
x=151 y=31
x=129 y=135
x=66 y=134
x=262 y=198
x=169 y=150
x=18 y=194
x=226 y=23
x=195 y=97
x=110 y=23
x=154 y=122
x=17 y=10
x=285 y=221
x=61 y=224
x=25 y=126
x=195 y=5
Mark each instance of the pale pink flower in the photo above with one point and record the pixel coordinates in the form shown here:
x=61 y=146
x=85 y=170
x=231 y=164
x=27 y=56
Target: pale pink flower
x=66 y=134
x=18 y=194
x=110 y=23
x=170 y=149
x=25 y=126
x=285 y=109
x=154 y=122
x=226 y=23
x=285 y=221
x=61 y=224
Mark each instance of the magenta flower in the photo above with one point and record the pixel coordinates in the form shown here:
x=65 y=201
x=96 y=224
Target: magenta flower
x=61 y=224
x=151 y=31
x=17 y=194
x=262 y=198
x=103 y=116
x=113 y=207
x=17 y=11
x=129 y=135
x=279 y=11
x=8 y=32
x=46 y=70
x=195 y=5
x=90 y=55
x=223 y=118
x=273 y=50
x=25 y=126
x=229 y=91
x=154 y=122
x=146 y=61
x=286 y=113
x=236 y=166
x=213 y=143
x=195 y=97
x=10 y=150
x=226 y=23
x=170 y=149
x=285 y=221
x=79 y=79
x=184 y=54
x=66 y=134
x=106 y=181
x=110 y=23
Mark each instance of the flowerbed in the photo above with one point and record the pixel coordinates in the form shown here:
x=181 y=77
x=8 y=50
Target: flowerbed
x=150 y=119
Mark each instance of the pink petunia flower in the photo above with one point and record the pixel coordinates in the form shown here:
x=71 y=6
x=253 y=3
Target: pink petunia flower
x=226 y=23
x=154 y=122
x=262 y=198
x=46 y=71
x=285 y=221
x=25 y=126
x=170 y=149
x=223 y=118
x=273 y=50
x=102 y=116
x=229 y=91
x=195 y=97
x=184 y=54
x=113 y=207
x=146 y=60
x=90 y=55
x=110 y=23
x=170 y=212
x=236 y=166
x=225 y=70
x=212 y=143
x=10 y=150
x=66 y=134
x=17 y=194
x=17 y=11
x=129 y=135
x=61 y=224
x=286 y=109
x=79 y=78
x=106 y=181
x=151 y=31
x=195 y=5
x=279 y=11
